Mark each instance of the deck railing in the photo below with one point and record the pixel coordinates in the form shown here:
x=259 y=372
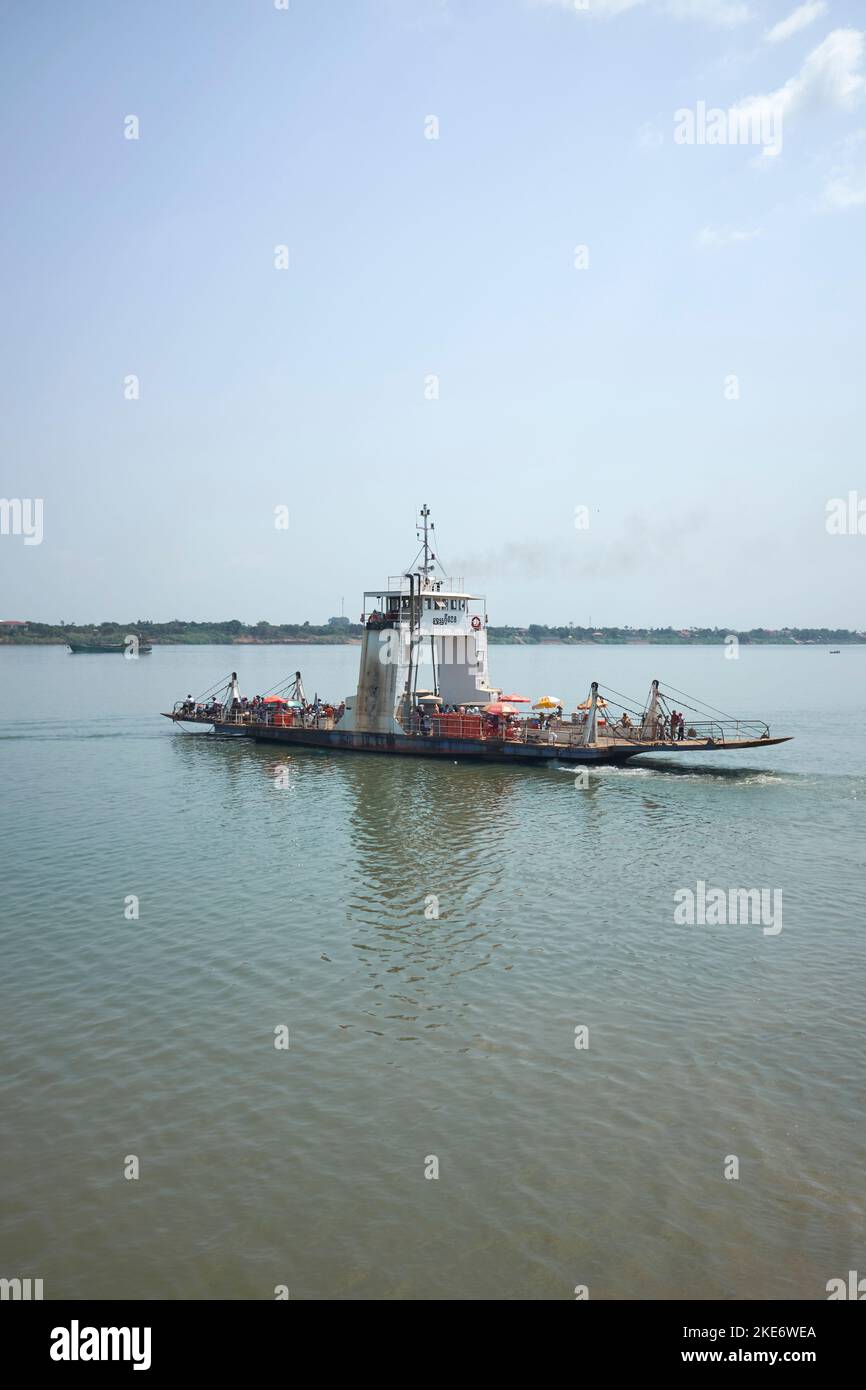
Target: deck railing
x=491 y=726
x=725 y=730
x=442 y=584
x=257 y=718
x=568 y=733
x=563 y=732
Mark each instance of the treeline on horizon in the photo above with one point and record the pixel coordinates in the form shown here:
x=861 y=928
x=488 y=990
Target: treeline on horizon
x=179 y=631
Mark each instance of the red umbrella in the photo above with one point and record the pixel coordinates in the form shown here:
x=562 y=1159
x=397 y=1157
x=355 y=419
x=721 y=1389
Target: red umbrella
x=498 y=707
x=515 y=699
x=275 y=700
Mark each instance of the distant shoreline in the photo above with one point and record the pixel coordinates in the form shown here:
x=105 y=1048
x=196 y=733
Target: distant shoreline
x=42 y=635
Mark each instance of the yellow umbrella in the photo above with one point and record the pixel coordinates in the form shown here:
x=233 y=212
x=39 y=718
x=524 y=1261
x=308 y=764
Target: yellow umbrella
x=599 y=704
x=547 y=702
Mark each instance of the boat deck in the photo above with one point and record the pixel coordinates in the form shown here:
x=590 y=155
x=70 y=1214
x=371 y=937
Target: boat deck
x=563 y=742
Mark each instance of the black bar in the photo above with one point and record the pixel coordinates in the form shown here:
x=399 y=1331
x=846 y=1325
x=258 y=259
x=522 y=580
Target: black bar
x=227 y=1337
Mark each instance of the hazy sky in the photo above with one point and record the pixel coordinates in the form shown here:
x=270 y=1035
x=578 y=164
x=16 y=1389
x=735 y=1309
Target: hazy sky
x=604 y=384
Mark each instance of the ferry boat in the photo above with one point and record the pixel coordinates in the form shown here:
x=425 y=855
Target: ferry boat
x=424 y=690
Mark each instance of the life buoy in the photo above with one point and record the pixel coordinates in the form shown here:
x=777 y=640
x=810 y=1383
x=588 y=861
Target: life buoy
x=476 y=622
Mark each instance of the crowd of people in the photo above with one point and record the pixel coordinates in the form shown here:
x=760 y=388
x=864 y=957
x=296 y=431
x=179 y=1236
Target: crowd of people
x=261 y=710
x=198 y=709
x=257 y=710
x=664 y=728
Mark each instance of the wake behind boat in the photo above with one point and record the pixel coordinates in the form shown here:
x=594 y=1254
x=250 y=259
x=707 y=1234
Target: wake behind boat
x=424 y=690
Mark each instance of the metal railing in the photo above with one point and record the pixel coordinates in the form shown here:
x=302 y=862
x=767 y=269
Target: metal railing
x=568 y=733
x=399 y=584
x=248 y=718
x=723 y=731
x=697 y=731
x=489 y=727
x=562 y=732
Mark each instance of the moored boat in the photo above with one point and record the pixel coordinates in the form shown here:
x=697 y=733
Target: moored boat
x=133 y=645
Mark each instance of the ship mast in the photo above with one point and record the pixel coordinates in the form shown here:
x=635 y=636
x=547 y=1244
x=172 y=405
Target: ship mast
x=425 y=526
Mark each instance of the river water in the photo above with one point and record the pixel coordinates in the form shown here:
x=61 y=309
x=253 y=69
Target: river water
x=307 y=900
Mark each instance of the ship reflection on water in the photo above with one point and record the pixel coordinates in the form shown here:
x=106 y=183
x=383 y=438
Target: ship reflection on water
x=401 y=860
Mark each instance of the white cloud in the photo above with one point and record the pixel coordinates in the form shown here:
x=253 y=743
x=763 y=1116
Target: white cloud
x=722 y=13
x=846 y=185
x=801 y=17
x=830 y=76
x=591 y=7
x=846 y=192
x=650 y=136
x=726 y=236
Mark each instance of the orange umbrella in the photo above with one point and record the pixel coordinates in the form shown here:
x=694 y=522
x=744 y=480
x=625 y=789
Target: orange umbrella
x=599 y=704
x=498 y=707
x=515 y=699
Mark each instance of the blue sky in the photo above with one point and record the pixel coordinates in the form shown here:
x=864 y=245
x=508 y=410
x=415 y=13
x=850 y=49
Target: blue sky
x=606 y=387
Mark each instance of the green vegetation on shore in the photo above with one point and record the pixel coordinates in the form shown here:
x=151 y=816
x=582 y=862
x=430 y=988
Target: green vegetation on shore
x=670 y=636
x=341 y=630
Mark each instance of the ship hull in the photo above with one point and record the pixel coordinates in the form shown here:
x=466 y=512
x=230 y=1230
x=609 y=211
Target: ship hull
x=491 y=750
x=93 y=649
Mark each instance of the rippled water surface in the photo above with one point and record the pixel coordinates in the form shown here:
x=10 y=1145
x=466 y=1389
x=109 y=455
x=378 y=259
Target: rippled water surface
x=413 y=1036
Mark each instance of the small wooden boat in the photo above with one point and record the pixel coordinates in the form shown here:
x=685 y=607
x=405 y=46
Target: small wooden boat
x=113 y=645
